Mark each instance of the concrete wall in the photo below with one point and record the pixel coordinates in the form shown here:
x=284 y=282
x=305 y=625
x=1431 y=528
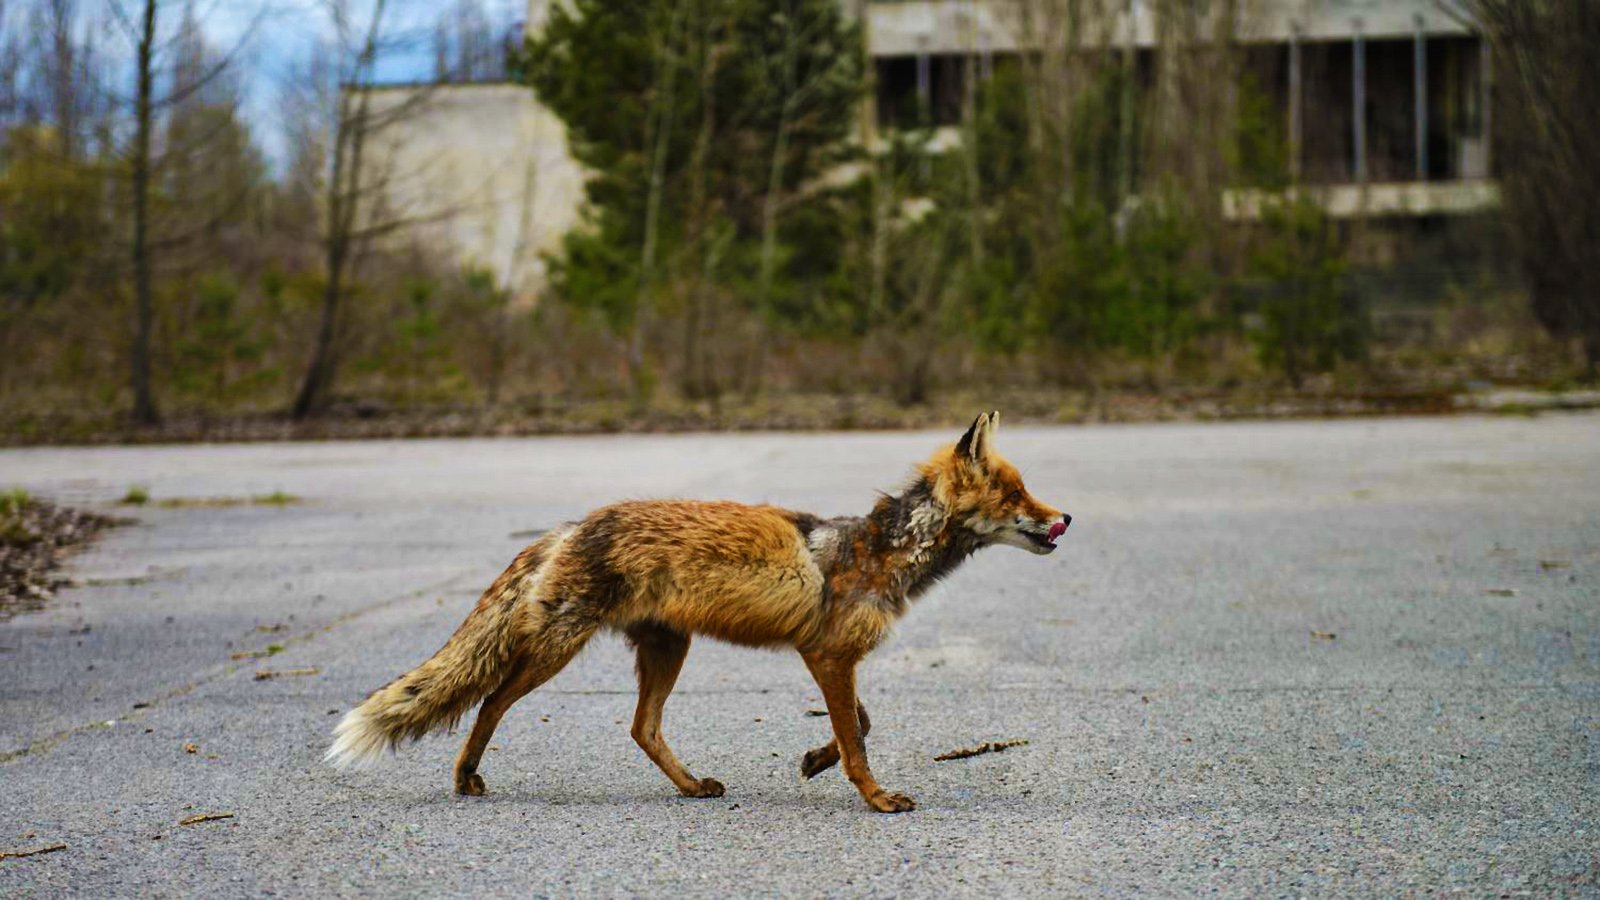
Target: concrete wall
x=906 y=27
x=484 y=169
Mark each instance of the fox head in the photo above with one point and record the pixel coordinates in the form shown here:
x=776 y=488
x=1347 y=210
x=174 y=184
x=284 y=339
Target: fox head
x=984 y=493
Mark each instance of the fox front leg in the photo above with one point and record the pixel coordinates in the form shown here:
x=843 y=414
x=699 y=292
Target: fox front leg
x=837 y=678
x=823 y=758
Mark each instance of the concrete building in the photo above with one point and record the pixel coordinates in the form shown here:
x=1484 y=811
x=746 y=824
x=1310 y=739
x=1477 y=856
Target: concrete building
x=482 y=170
x=484 y=173
x=1385 y=104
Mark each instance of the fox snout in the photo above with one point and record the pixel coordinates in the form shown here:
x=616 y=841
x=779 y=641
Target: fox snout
x=1041 y=537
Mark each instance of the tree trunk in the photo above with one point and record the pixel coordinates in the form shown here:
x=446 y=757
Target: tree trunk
x=769 y=211
x=969 y=114
x=319 y=374
x=696 y=380
x=344 y=202
x=144 y=404
x=1129 y=73
x=662 y=115
x=769 y=245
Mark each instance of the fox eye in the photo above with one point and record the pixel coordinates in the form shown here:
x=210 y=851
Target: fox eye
x=1014 y=497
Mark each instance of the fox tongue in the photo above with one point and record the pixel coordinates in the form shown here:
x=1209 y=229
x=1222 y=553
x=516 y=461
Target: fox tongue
x=1057 y=530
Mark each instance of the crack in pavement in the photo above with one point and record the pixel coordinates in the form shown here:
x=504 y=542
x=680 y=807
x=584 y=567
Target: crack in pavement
x=143 y=707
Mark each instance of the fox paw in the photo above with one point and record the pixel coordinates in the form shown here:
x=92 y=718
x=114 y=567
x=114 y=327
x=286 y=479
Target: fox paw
x=470 y=785
x=885 y=802
x=818 y=761
x=705 y=787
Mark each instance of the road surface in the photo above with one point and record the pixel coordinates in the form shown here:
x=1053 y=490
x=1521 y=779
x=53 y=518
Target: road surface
x=1353 y=657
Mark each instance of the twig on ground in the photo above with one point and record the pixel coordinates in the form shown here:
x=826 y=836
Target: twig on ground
x=31 y=851
x=985 y=747
x=205 y=817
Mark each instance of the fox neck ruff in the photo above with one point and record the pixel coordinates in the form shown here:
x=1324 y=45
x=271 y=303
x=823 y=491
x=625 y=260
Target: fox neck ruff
x=896 y=552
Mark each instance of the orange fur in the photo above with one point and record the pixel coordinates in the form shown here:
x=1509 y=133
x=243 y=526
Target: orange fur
x=662 y=571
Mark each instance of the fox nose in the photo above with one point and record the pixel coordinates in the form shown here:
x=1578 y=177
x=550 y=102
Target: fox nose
x=1066 y=520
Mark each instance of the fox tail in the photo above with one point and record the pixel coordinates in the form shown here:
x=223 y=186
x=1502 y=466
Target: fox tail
x=435 y=694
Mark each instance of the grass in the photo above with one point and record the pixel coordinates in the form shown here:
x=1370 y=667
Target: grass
x=14 y=532
x=13 y=500
x=139 y=495
x=276 y=498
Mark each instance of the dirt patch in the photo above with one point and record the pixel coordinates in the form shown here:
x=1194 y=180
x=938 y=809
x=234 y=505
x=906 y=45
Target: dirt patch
x=35 y=536
x=788 y=412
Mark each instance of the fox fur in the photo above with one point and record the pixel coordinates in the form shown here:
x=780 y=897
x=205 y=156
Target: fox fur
x=661 y=571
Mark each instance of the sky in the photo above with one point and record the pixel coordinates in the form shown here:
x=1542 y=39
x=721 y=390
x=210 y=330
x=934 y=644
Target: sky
x=280 y=36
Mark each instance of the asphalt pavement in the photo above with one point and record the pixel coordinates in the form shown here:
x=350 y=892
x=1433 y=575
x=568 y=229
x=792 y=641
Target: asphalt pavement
x=1304 y=658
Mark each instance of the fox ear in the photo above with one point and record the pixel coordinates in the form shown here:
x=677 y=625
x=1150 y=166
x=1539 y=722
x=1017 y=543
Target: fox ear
x=976 y=444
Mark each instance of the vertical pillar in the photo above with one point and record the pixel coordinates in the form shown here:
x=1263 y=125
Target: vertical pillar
x=1486 y=80
x=1358 y=68
x=867 y=113
x=1420 y=66
x=1129 y=75
x=985 y=55
x=924 y=81
x=1296 y=110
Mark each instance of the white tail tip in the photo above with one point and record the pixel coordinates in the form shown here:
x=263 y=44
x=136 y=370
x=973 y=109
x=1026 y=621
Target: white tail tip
x=357 y=741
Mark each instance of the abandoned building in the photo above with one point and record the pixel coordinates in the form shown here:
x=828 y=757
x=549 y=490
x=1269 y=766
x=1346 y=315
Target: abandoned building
x=1385 y=105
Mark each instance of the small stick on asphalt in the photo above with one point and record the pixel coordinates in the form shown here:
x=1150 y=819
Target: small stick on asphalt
x=31 y=851
x=985 y=747
x=205 y=817
x=265 y=674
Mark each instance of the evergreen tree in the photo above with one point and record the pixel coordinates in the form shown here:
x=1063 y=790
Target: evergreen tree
x=701 y=121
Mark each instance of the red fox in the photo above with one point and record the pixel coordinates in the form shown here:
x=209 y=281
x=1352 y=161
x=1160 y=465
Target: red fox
x=660 y=571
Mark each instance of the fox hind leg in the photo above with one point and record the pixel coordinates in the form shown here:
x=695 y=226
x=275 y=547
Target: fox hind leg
x=528 y=670
x=660 y=652
x=823 y=758
x=467 y=780
x=836 y=677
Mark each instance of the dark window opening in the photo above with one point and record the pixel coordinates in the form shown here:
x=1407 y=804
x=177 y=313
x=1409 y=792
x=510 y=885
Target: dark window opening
x=1327 y=144
x=1456 y=145
x=920 y=91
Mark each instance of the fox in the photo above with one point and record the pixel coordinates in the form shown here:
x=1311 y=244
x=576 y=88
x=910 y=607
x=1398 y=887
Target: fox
x=661 y=572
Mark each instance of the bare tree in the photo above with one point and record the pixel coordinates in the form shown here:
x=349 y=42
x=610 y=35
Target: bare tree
x=144 y=404
x=343 y=196
x=144 y=31
x=464 y=47
x=1548 y=140
x=10 y=62
x=355 y=190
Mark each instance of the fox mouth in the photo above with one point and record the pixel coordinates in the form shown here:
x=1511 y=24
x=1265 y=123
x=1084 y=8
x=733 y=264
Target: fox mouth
x=1045 y=542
